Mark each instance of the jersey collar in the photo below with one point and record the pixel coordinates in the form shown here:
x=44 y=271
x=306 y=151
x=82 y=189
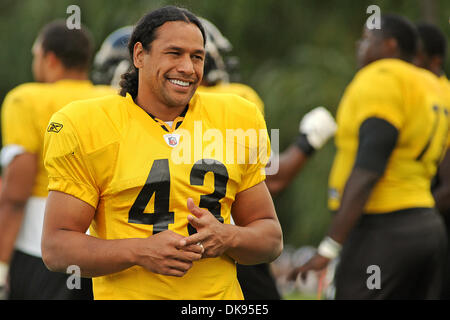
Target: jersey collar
x=176 y=123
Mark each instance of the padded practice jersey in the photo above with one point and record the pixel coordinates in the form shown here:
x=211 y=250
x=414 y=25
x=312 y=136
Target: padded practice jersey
x=26 y=112
x=410 y=99
x=138 y=173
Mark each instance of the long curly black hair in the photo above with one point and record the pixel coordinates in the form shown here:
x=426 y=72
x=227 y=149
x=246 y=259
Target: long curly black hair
x=144 y=32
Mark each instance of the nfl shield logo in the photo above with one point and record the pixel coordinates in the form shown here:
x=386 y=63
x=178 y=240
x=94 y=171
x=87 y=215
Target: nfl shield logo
x=172 y=139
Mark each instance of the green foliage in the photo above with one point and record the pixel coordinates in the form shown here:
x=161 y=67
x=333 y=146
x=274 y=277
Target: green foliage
x=297 y=54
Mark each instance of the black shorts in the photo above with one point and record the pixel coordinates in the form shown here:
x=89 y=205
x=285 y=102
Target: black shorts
x=406 y=250
x=257 y=282
x=29 y=279
x=446 y=283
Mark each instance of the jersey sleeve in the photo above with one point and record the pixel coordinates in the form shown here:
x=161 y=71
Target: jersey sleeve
x=378 y=94
x=67 y=165
x=259 y=153
x=18 y=123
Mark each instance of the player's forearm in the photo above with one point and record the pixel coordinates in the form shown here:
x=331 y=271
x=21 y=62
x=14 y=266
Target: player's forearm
x=356 y=193
x=377 y=140
x=11 y=216
x=441 y=192
x=95 y=257
x=442 y=198
x=259 y=242
x=17 y=184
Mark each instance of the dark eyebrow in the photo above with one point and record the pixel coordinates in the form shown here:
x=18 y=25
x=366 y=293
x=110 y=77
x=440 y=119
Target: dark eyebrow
x=202 y=52
x=175 y=48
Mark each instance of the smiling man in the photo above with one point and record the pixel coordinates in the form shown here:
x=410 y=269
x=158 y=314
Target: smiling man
x=159 y=230
x=171 y=83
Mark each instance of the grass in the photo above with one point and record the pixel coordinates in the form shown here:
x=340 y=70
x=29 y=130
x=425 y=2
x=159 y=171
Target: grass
x=299 y=296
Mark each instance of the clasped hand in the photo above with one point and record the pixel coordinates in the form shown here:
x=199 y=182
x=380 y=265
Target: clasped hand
x=169 y=253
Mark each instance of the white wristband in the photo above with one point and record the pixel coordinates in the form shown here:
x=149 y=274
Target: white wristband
x=3 y=273
x=329 y=248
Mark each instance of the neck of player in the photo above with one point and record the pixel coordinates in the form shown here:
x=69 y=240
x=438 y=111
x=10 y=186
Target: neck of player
x=68 y=75
x=157 y=109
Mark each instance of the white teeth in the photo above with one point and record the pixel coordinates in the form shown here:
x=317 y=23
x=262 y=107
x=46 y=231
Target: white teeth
x=179 y=82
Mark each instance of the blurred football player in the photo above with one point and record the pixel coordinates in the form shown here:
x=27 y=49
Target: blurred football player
x=61 y=61
x=392 y=130
x=431 y=56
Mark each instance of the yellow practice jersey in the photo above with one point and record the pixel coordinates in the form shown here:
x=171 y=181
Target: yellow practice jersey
x=446 y=87
x=240 y=89
x=26 y=112
x=412 y=100
x=138 y=173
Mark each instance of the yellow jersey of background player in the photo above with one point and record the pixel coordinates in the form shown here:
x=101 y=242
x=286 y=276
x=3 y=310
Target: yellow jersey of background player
x=420 y=114
x=27 y=110
x=61 y=60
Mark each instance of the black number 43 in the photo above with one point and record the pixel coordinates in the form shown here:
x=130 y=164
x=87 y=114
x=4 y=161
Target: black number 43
x=158 y=183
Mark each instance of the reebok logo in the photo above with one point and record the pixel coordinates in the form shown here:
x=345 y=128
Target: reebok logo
x=54 y=127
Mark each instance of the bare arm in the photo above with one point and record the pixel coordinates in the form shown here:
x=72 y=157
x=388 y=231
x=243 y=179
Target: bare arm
x=65 y=243
x=17 y=185
x=377 y=141
x=256 y=237
x=356 y=194
x=442 y=192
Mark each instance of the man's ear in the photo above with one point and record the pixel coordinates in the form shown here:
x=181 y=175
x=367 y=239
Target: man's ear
x=436 y=64
x=52 y=60
x=390 y=48
x=138 y=55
